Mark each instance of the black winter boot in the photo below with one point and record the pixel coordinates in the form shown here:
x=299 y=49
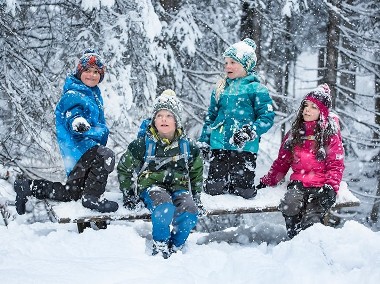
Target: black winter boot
x=101 y=205
x=293 y=226
x=22 y=187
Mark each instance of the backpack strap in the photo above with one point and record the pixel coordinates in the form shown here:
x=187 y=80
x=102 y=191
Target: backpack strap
x=150 y=155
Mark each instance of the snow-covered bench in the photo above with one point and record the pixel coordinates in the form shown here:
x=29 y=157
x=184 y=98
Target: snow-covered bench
x=267 y=200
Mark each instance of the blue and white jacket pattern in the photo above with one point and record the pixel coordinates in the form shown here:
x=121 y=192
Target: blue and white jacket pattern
x=79 y=100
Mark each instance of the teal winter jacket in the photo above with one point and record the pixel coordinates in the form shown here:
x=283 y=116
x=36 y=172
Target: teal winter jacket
x=242 y=101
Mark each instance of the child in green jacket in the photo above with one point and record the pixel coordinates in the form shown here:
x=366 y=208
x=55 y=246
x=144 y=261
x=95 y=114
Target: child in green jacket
x=168 y=180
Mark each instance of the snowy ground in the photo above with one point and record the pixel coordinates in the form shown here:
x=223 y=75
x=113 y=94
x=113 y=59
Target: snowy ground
x=55 y=253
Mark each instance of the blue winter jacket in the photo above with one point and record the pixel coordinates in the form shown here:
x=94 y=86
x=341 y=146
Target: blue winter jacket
x=79 y=100
x=243 y=101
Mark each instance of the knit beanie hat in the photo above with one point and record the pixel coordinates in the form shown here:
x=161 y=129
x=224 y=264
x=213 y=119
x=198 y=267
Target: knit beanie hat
x=168 y=101
x=321 y=97
x=244 y=53
x=90 y=58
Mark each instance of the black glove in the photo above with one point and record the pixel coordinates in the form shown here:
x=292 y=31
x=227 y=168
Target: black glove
x=261 y=185
x=130 y=201
x=328 y=196
x=243 y=135
x=205 y=149
x=198 y=202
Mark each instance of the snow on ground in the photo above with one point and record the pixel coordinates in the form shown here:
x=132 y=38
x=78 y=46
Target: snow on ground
x=55 y=253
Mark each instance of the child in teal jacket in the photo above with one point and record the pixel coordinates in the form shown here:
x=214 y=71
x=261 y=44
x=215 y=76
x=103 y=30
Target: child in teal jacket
x=240 y=112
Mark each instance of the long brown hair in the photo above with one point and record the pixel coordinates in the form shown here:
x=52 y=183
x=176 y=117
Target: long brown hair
x=321 y=133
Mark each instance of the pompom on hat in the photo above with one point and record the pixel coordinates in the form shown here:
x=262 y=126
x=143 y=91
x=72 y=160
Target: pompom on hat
x=168 y=101
x=244 y=53
x=90 y=58
x=321 y=97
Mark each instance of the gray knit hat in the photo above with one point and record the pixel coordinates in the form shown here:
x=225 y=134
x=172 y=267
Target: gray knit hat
x=168 y=101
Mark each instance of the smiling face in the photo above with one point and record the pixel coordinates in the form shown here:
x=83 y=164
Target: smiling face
x=90 y=77
x=310 y=111
x=233 y=68
x=165 y=124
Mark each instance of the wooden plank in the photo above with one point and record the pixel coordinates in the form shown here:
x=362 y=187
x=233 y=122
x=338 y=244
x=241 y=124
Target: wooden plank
x=267 y=200
x=146 y=216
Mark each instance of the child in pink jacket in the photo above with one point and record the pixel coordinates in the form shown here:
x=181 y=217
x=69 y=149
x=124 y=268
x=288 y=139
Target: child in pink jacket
x=313 y=150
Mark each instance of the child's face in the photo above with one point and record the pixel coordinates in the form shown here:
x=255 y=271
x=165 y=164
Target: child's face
x=233 y=68
x=310 y=111
x=165 y=124
x=90 y=77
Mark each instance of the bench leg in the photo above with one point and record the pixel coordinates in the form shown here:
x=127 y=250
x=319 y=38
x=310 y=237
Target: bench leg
x=82 y=226
x=101 y=224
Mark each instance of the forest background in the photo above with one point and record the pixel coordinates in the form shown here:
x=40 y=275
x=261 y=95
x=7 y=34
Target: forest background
x=152 y=45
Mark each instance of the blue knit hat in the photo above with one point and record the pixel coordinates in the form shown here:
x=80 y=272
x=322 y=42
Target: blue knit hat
x=244 y=53
x=90 y=58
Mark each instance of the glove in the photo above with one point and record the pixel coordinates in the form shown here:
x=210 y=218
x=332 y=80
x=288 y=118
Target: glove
x=261 y=185
x=205 y=149
x=243 y=135
x=80 y=125
x=130 y=201
x=198 y=203
x=328 y=196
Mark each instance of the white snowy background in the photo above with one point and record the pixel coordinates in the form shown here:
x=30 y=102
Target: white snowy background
x=48 y=252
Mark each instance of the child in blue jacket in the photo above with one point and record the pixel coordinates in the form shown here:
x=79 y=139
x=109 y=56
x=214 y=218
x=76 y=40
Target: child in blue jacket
x=82 y=135
x=240 y=112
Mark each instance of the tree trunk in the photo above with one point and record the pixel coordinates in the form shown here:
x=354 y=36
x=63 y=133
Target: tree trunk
x=331 y=50
x=347 y=66
x=250 y=26
x=376 y=136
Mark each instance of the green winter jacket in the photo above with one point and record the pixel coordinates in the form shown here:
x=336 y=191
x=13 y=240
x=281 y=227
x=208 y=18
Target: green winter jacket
x=242 y=101
x=171 y=176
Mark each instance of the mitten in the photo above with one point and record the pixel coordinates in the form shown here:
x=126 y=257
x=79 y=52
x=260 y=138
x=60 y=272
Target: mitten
x=130 y=201
x=328 y=196
x=80 y=124
x=198 y=203
x=205 y=149
x=243 y=135
x=261 y=185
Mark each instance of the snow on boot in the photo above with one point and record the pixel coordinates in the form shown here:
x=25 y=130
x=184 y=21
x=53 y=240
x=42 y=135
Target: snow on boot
x=101 y=205
x=175 y=249
x=22 y=187
x=160 y=248
x=292 y=226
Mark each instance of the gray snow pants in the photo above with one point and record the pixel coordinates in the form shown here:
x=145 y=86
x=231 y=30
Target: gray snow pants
x=304 y=205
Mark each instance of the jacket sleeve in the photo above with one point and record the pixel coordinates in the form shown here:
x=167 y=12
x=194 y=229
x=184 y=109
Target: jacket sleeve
x=212 y=113
x=196 y=171
x=280 y=166
x=263 y=107
x=73 y=105
x=126 y=168
x=334 y=161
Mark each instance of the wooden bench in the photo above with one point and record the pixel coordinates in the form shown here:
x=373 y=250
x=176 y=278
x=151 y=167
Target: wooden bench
x=267 y=200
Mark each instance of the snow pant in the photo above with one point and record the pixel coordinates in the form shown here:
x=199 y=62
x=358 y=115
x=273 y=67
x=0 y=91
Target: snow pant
x=88 y=177
x=231 y=172
x=303 y=206
x=177 y=209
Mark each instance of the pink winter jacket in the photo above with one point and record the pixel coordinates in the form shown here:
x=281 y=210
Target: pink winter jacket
x=306 y=168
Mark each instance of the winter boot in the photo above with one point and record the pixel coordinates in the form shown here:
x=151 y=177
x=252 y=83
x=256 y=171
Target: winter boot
x=292 y=226
x=101 y=205
x=161 y=248
x=22 y=187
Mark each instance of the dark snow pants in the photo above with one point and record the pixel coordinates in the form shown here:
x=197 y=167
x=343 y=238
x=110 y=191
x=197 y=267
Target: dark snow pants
x=231 y=172
x=177 y=209
x=89 y=176
x=303 y=206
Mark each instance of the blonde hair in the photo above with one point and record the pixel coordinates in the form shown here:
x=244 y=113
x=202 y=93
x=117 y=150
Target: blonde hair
x=219 y=88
